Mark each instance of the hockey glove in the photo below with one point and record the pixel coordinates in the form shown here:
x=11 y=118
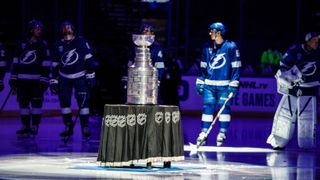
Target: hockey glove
x=91 y=79
x=54 y=86
x=199 y=88
x=1 y=86
x=234 y=90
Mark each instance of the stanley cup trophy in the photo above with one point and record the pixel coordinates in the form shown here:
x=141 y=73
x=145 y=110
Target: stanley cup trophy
x=142 y=87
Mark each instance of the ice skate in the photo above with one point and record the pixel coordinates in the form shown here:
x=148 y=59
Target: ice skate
x=34 y=130
x=23 y=133
x=272 y=141
x=278 y=148
x=86 y=133
x=221 y=138
x=67 y=133
x=201 y=140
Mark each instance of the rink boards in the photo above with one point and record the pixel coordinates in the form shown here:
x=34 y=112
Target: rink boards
x=255 y=95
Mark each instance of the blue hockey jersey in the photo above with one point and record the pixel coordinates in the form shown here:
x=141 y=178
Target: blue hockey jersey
x=308 y=62
x=31 y=61
x=71 y=58
x=220 y=65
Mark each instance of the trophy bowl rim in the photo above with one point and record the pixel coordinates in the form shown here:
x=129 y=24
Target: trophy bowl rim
x=143 y=40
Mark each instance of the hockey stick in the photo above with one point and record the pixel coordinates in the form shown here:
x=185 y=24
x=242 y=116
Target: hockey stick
x=66 y=139
x=6 y=100
x=199 y=143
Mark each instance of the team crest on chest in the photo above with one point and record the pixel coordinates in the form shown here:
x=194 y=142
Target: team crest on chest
x=308 y=68
x=218 y=61
x=28 y=57
x=70 y=57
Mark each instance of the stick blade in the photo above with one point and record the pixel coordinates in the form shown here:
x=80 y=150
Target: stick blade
x=193 y=149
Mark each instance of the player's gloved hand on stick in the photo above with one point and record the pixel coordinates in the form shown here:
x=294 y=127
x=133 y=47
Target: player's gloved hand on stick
x=199 y=88
x=54 y=86
x=234 y=90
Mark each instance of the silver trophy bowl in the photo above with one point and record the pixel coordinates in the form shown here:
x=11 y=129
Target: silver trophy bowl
x=142 y=40
x=142 y=87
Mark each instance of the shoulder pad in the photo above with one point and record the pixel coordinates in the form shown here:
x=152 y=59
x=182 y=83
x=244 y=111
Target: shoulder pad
x=231 y=43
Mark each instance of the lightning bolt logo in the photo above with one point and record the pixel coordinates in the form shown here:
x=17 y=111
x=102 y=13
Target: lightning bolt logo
x=216 y=62
x=70 y=57
x=309 y=68
x=28 y=57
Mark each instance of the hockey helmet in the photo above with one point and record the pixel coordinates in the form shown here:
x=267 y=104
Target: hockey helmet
x=34 y=24
x=311 y=35
x=218 y=26
x=312 y=40
x=67 y=27
x=146 y=28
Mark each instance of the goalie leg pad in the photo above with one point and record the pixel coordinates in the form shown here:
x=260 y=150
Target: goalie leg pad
x=307 y=121
x=284 y=122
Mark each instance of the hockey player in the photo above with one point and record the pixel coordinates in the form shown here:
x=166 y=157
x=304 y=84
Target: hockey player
x=219 y=76
x=3 y=65
x=156 y=53
x=29 y=76
x=73 y=67
x=298 y=80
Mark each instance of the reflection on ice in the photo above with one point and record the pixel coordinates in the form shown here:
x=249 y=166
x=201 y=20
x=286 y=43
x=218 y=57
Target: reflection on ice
x=284 y=167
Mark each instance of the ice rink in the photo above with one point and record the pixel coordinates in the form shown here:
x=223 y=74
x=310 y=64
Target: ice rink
x=245 y=154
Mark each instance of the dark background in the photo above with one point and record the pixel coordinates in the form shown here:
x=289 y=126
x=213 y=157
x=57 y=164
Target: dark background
x=180 y=25
x=109 y=23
